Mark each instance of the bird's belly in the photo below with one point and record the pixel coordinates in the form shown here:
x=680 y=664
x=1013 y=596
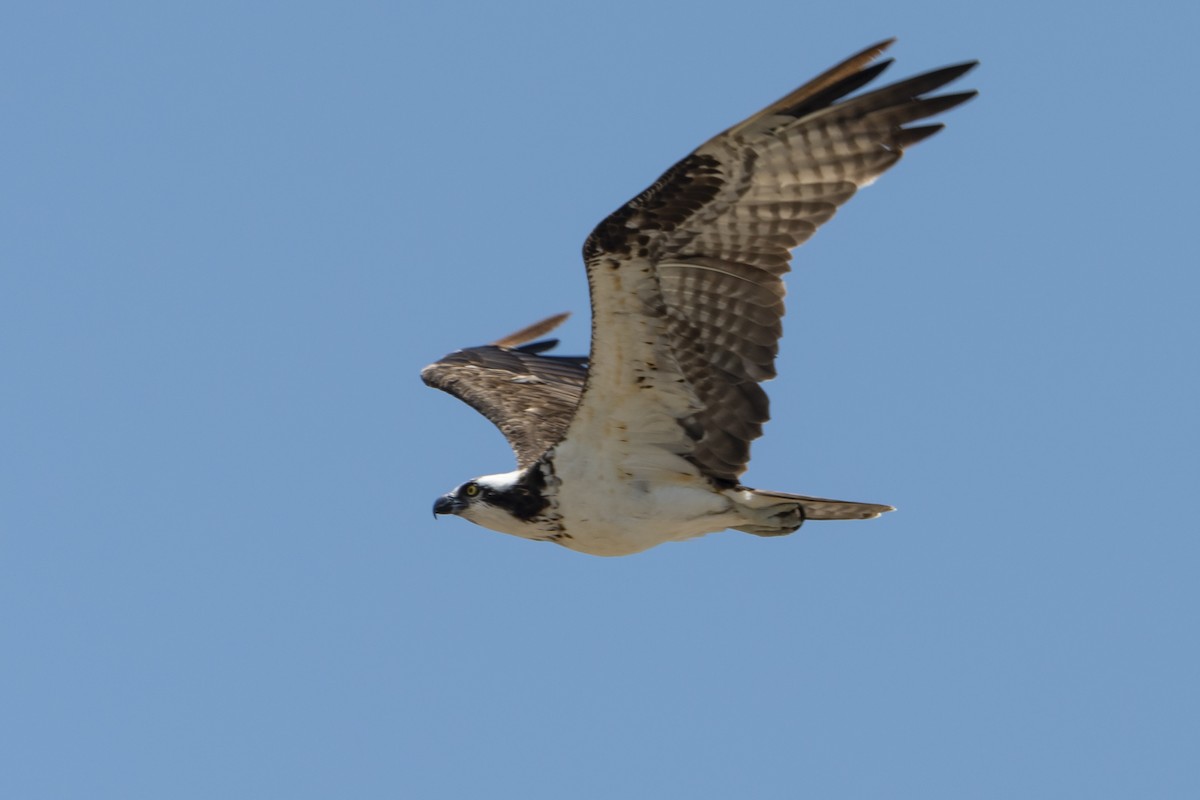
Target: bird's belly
x=630 y=517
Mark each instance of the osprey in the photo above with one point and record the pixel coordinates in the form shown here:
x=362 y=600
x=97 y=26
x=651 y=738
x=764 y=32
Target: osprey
x=644 y=440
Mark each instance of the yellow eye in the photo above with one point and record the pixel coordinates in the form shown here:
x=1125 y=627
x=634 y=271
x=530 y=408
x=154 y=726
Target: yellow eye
x=471 y=489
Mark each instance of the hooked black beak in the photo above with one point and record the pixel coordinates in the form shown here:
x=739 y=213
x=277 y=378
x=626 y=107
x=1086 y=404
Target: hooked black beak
x=448 y=504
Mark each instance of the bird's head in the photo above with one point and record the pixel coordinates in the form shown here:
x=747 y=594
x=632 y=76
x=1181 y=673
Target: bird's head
x=509 y=502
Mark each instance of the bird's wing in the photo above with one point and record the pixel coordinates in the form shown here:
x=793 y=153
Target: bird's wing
x=686 y=278
x=530 y=397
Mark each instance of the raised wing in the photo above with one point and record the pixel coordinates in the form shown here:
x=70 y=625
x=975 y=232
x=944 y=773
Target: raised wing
x=530 y=397
x=686 y=278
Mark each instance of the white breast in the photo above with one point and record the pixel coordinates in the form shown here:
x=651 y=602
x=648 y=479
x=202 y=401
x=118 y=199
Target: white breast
x=618 y=506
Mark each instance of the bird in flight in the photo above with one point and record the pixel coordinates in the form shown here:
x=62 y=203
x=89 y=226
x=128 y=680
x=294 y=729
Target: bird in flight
x=644 y=440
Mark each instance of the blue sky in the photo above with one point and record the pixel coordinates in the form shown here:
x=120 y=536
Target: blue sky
x=231 y=234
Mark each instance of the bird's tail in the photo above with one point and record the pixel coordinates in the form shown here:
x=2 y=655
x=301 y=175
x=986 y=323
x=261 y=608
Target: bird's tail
x=780 y=513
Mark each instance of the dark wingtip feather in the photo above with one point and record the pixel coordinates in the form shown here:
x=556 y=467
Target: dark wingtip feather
x=952 y=72
x=945 y=102
x=934 y=79
x=539 y=347
x=910 y=136
x=925 y=107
